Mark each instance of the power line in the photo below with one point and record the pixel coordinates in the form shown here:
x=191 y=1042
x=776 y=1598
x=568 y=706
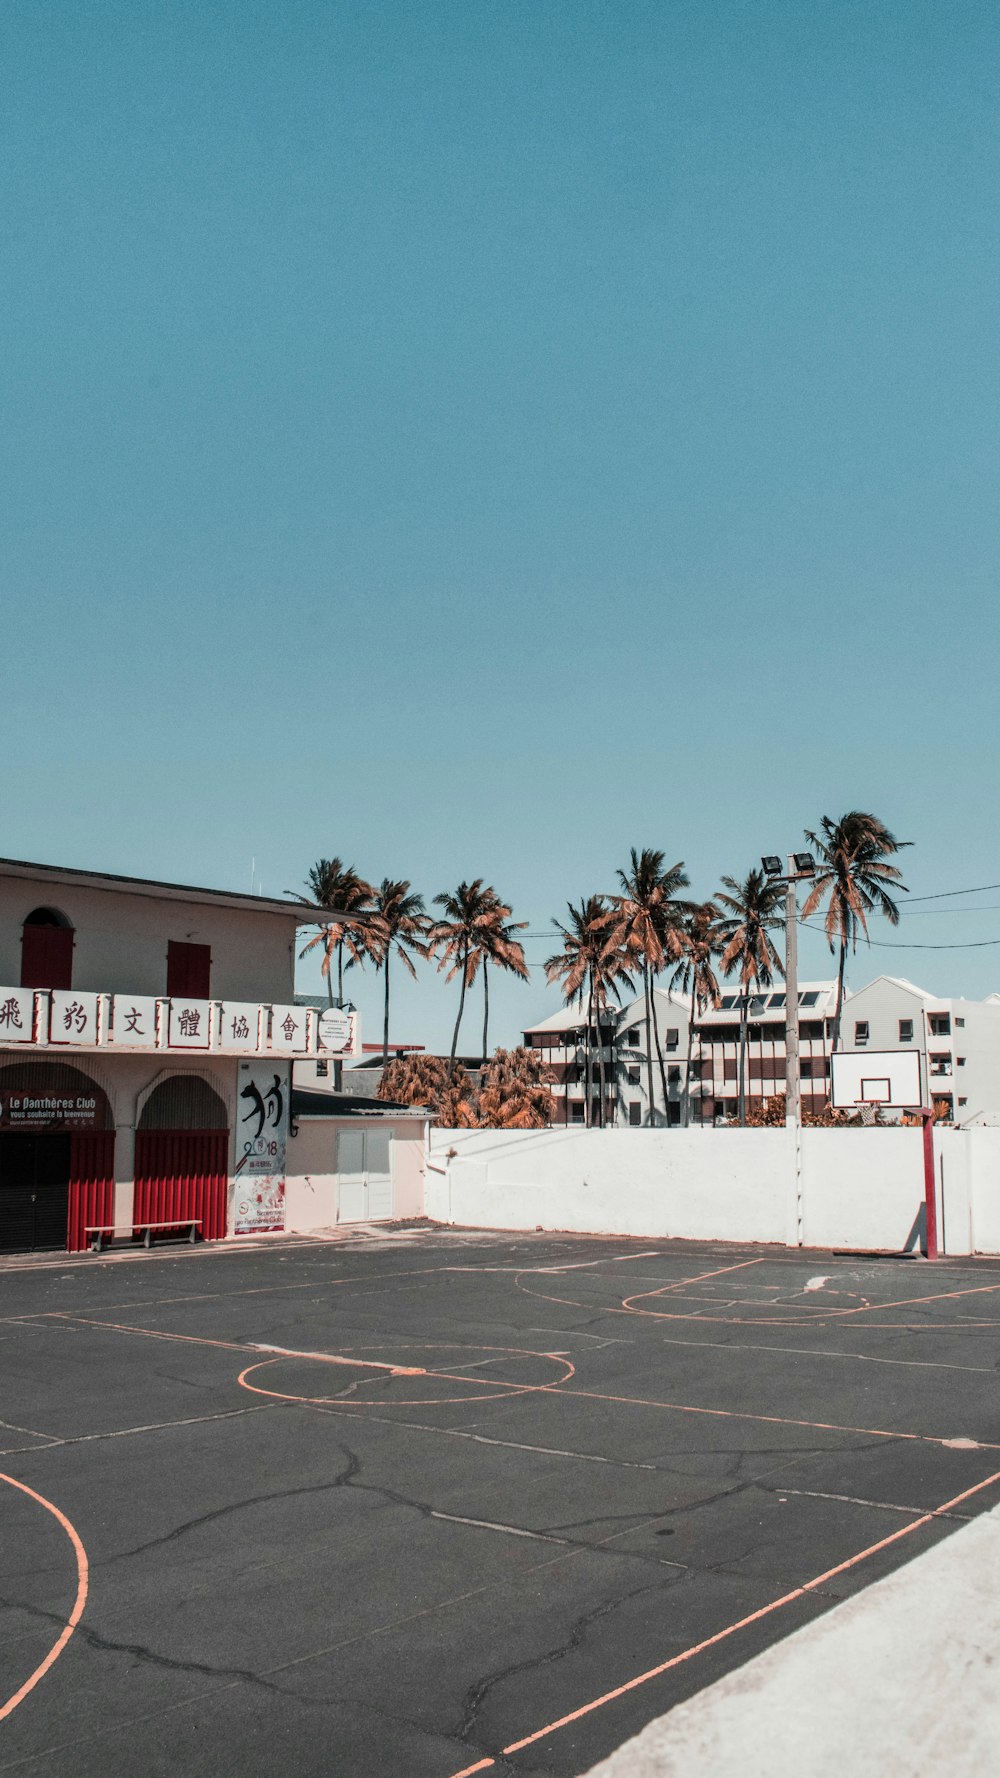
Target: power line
x=946 y=894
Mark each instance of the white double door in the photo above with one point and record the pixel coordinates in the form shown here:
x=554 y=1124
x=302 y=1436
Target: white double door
x=364 y=1173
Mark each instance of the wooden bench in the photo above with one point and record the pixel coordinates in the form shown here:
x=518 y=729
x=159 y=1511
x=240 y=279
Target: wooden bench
x=146 y=1229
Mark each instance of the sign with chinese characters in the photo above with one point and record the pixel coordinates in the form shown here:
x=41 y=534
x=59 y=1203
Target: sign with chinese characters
x=240 y=1021
x=261 y=1138
x=52 y=1111
x=288 y=1028
x=72 y=1017
x=336 y=1031
x=190 y=1024
x=133 y=1019
x=17 y=1015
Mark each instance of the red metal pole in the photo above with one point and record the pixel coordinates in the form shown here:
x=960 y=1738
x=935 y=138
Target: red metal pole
x=930 y=1185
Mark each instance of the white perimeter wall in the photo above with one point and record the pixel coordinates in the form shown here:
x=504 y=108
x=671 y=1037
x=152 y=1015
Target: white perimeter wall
x=850 y=1188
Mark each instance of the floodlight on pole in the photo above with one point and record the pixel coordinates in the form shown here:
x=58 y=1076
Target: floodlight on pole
x=800 y=864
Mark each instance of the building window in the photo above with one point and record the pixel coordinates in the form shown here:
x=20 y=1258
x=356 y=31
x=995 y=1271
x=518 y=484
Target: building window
x=906 y=1030
x=939 y=1024
x=962 y=1101
x=943 y=1109
x=46 y=950
x=633 y=1077
x=939 y=1064
x=635 y=1114
x=673 y=1076
x=632 y=1035
x=861 y=1032
x=576 y=1111
x=960 y=1023
x=189 y=969
x=673 y=1037
x=810 y=999
x=959 y=1061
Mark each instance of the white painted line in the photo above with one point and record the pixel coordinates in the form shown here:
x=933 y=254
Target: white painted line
x=508 y=1530
x=364 y=1364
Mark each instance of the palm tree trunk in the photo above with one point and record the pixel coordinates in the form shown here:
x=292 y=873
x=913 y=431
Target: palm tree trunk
x=659 y=1053
x=744 y=998
x=649 y=1042
x=687 y=1066
x=840 y=995
x=589 y=1054
x=385 y=1026
x=486 y=1006
x=461 y=1007
x=601 y=1076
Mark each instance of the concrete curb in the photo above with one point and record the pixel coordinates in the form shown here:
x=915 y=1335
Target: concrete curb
x=902 y=1679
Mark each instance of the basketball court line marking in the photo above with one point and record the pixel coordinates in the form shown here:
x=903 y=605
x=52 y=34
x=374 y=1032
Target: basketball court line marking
x=82 y=1588
x=508 y=1389
x=807 y=1587
x=92 y=1438
x=533 y=1388
x=818 y=1320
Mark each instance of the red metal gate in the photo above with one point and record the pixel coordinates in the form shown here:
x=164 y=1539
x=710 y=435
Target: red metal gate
x=182 y=1174
x=91 y=1185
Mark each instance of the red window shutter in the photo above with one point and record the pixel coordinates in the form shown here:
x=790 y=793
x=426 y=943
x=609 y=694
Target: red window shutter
x=46 y=957
x=189 y=969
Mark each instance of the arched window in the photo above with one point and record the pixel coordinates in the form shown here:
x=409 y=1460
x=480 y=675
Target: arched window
x=46 y=950
x=183 y=1102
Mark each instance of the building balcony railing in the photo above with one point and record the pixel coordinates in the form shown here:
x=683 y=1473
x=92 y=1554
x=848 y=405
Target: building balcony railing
x=61 y=1020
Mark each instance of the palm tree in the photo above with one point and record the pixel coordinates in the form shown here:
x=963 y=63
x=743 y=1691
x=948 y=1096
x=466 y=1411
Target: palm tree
x=460 y=936
x=643 y=927
x=583 y=964
x=701 y=942
x=851 y=870
x=753 y=910
x=331 y=884
x=397 y=925
x=514 y=1091
x=500 y=947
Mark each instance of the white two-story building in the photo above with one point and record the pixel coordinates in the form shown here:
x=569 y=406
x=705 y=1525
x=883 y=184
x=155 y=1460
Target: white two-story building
x=147 y=1035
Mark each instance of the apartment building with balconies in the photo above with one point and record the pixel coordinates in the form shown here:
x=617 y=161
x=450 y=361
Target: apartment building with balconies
x=958 y=1041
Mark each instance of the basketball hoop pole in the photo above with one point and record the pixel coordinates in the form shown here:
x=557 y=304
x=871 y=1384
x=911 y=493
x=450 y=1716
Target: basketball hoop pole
x=930 y=1184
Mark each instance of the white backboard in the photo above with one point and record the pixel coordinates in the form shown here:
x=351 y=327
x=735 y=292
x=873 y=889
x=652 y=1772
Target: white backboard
x=875 y=1077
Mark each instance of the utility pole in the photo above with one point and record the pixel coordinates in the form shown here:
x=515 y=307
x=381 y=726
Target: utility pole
x=793 y=1085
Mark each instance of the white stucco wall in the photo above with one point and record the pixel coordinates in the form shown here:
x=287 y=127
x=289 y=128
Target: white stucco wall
x=730 y=1185
x=857 y=1188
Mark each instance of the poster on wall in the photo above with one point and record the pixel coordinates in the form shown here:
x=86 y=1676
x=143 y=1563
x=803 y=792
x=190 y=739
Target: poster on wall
x=261 y=1137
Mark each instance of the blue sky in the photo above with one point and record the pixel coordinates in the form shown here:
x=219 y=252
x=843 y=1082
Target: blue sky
x=475 y=439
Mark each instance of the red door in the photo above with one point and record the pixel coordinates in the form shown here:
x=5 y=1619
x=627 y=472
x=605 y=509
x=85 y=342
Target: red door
x=46 y=956
x=91 y=1185
x=182 y=1175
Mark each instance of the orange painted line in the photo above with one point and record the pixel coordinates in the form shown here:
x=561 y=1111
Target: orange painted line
x=508 y=1388
x=676 y=1407
x=82 y=1589
x=685 y=1283
x=907 y=1302
x=698 y=1648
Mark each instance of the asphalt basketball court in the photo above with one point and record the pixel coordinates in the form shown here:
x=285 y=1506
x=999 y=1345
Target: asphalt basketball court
x=436 y=1503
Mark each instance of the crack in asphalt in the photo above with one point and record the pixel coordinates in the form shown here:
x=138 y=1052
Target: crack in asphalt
x=477 y=1693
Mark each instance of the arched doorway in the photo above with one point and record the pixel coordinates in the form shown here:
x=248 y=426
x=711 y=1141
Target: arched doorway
x=57 y=1155
x=182 y=1156
x=46 y=950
